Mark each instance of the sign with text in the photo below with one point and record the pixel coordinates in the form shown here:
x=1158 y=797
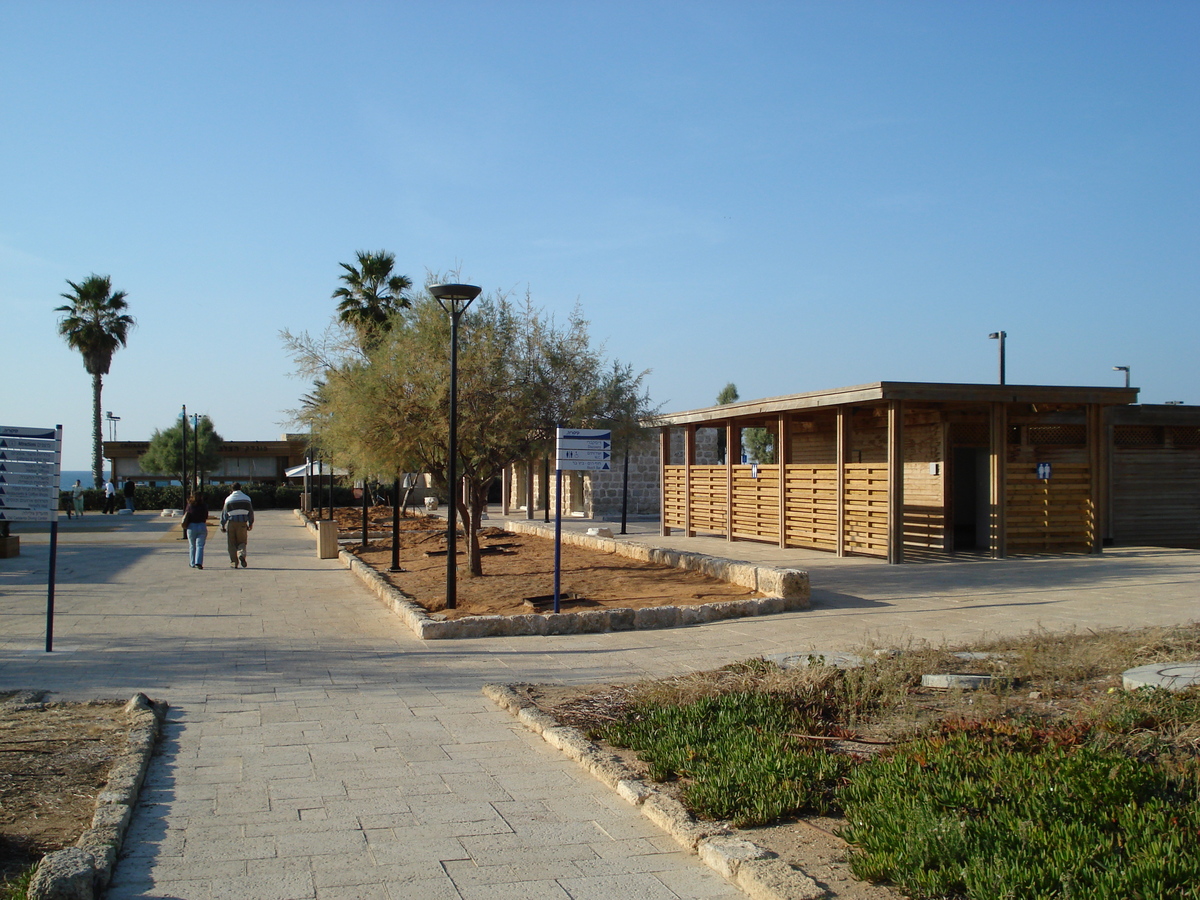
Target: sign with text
x=583 y=449
x=29 y=473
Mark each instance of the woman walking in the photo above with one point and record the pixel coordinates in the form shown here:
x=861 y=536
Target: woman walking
x=195 y=524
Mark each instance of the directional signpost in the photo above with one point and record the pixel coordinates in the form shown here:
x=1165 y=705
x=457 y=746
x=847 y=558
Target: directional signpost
x=578 y=449
x=30 y=469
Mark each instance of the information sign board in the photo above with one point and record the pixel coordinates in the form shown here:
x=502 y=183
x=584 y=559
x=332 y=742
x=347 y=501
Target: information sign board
x=584 y=449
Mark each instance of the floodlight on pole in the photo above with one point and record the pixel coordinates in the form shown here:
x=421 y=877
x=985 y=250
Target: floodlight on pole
x=1000 y=336
x=1124 y=369
x=112 y=425
x=454 y=299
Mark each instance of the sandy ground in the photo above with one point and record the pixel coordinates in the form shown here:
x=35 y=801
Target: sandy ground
x=519 y=566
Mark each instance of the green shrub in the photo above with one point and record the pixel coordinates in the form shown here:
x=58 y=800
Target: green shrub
x=1021 y=815
x=741 y=755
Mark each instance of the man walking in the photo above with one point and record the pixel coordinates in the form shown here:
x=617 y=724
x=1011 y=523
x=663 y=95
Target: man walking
x=110 y=497
x=237 y=519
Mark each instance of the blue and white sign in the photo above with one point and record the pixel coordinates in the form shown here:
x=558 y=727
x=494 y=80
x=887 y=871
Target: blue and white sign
x=583 y=449
x=29 y=473
x=1043 y=470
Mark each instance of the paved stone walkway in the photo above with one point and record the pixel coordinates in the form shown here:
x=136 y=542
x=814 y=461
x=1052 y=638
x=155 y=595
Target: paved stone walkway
x=315 y=749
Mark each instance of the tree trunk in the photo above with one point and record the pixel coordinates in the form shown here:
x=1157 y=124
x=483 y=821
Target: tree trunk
x=97 y=434
x=470 y=526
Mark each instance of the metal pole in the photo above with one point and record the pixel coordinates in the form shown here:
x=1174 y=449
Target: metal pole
x=196 y=452
x=396 y=526
x=625 y=489
x=183 y=466
x=451 y=484
x=365 y=500
x=557 y=533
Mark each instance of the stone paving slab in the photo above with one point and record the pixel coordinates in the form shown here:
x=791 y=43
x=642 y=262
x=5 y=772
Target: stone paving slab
x=296 y=698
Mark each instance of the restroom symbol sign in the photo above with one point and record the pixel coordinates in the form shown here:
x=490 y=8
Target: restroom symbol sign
x=1043 y=470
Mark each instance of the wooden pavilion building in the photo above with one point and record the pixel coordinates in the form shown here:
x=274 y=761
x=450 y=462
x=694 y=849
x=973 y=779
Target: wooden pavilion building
x=895 y=468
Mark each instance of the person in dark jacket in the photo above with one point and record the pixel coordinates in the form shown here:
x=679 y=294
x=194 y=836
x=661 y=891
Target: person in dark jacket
x=195 y=525
x=237 y=519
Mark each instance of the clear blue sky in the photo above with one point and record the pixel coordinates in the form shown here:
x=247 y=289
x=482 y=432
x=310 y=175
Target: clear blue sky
x=790 y=196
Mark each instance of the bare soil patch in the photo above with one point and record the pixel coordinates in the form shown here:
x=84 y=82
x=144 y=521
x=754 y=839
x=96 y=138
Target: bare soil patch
x=54 y=761
x=517 y=566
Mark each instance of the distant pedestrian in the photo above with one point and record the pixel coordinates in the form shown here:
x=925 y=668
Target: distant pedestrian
x=110 y=497
x=77 y=497
x=195 y=525
x=237 y=520
x=130 y=490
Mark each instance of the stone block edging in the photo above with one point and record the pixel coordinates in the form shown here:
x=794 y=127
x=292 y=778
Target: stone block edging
x=754 y=869
x=83 y=872
x=787 y=589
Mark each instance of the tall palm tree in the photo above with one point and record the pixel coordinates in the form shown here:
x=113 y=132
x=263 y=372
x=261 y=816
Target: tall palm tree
x=371 y=295
x=96 y=324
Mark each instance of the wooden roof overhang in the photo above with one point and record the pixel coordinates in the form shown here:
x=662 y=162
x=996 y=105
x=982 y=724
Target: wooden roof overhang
x=883 y=392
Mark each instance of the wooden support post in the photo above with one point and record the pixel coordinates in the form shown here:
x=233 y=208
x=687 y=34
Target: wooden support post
x=1098 y=472
x=895 y=454
x=664 y=460
x=999 y=480
x=505 y=489
x=731 y=447
x=843 y=448
x=783 y=455
x=689 y=460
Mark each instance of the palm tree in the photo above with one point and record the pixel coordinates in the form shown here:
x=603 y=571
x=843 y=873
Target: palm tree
x=371 y=295
x=95 y=324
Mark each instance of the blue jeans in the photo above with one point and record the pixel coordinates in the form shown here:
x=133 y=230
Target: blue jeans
x=196 y=535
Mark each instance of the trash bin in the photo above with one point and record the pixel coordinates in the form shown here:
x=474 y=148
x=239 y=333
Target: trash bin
x=327 y=543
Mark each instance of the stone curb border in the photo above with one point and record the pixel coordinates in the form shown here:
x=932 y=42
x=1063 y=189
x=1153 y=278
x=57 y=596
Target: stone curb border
x=757 y=871
x=788 y=590
x=83 y=872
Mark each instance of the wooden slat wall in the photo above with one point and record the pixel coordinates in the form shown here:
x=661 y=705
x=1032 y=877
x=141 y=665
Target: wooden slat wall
x=756 y=503
x=1052 y=516
x=811 y=502
x=673 y=496
x=925 y=526
x=1156 y=496
x=866 y=508
x=708 y=499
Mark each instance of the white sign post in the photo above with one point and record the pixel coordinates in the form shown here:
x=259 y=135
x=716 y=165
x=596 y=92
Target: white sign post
x=576 y=450
x=30 y=470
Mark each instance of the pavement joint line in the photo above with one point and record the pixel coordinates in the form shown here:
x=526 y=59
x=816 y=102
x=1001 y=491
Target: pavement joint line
x=756 y=870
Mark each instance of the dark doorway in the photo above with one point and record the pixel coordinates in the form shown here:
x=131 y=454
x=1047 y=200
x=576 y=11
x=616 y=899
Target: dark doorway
x=972 y=498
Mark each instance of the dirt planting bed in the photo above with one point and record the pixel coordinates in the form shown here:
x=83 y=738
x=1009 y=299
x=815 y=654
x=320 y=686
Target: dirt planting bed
x=519 y=566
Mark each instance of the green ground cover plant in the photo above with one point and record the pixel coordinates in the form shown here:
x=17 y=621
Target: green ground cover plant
x=1056 y=783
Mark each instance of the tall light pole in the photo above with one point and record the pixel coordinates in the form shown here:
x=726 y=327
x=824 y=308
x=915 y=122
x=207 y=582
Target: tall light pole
x=112 y=425
x=1124 y=369
x=1000 y=336
x=183 y=464
x=454 y=299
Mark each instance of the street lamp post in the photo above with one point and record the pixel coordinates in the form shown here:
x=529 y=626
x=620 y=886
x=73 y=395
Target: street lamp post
x=183 y=475
x=1124 y=369
x=454 y=299
x=1000 y=336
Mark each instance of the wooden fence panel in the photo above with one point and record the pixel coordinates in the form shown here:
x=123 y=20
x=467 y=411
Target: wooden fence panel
x=1156 y=496
x=709 y=499
x=756 y=503
x=1055 y=515
x=867 y=508
x=811 y=506
x=673 y=497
